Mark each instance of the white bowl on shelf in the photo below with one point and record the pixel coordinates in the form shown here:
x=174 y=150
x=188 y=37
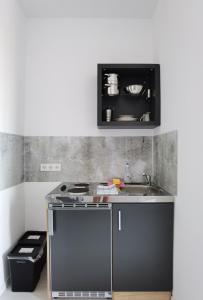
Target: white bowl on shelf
x=134 y=89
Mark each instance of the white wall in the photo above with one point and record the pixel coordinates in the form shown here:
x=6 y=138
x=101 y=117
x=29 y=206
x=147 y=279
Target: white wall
x=178 y=32
x=61 y=81
x=12 y=225
x=36 y=204
x=11 y=67
x=11 y=121
x=61 y=70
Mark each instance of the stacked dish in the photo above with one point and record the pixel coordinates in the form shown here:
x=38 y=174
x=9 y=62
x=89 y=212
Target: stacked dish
x=126 y=118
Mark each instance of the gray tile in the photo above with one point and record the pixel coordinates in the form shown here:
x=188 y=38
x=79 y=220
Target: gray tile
x=11 y=160
x=87 y=158
x=165 y=161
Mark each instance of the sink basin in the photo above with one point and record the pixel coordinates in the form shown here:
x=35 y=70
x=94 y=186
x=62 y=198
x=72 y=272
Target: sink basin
x=143 y=190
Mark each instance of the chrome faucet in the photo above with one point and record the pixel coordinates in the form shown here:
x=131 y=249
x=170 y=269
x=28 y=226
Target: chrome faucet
x=148 y=178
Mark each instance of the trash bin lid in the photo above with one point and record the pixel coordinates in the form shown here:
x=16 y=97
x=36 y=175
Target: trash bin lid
x=33 y=237
x=24 y=251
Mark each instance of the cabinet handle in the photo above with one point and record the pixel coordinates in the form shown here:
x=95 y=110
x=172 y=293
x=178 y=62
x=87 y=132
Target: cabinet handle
x=50 y=223
x=119 y=221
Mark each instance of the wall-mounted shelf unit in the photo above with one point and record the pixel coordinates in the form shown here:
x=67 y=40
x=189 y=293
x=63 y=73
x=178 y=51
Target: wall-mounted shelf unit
x=125 y=103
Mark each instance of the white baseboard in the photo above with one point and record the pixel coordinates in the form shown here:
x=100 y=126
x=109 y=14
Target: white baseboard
x=4 y=286
x=2 y=289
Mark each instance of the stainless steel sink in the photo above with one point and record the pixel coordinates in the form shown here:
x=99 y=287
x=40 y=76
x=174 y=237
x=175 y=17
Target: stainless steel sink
x=142 y=190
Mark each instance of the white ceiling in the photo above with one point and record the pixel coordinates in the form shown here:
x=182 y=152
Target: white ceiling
x=89 y=8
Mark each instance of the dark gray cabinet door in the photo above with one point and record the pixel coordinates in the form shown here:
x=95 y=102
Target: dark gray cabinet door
x=81 y=250
x=142 y=247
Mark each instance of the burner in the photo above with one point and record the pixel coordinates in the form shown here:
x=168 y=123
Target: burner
x=81 y=185
x=63 y=188
x=78 y=191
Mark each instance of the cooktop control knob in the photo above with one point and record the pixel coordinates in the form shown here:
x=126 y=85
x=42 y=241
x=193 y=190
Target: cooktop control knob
x=63 y=188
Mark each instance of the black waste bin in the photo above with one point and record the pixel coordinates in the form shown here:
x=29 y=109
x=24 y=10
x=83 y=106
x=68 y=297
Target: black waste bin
x=26 y=263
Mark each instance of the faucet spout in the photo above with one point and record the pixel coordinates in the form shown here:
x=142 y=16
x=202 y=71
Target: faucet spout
x=148 y=178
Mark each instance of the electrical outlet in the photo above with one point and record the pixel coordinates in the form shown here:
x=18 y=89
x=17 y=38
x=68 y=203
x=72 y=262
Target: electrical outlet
x=50 y=167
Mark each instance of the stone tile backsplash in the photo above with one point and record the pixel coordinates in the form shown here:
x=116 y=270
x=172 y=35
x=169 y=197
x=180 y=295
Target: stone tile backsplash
x=11 y=160
x=87 y=158
x=165 y=161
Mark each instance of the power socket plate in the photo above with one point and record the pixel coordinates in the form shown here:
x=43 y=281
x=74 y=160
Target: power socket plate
x=55 y=167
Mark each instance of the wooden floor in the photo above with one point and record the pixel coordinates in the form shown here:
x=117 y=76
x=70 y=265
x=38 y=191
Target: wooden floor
x=141 y=296
x=41 y=293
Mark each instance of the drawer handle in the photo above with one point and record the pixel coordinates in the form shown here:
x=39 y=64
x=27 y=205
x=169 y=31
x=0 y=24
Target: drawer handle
x=119 y=221
x=50 y=222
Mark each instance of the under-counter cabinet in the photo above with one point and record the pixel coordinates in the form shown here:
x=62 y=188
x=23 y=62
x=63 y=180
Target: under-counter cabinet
x=142 y=247
x=97 y=248
x=80 y=251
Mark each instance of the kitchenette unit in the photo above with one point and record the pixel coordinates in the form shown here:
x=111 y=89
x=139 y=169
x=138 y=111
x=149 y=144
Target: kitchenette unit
x=104 y=246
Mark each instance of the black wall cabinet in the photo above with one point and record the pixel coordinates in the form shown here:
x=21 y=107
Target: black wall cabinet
x=142 y=247
x=126 y=103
